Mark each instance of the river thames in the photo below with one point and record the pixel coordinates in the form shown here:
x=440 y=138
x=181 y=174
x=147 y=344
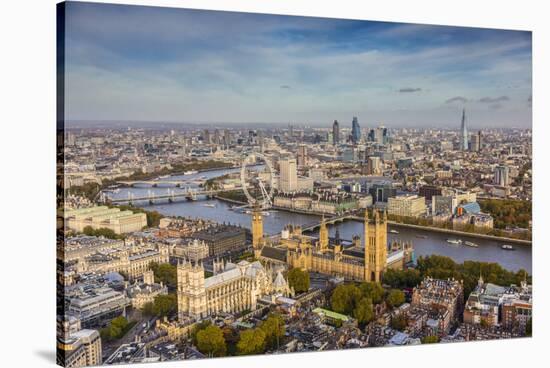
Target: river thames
x=425 y=242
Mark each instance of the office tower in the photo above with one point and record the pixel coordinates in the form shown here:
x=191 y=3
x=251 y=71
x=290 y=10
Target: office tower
x=216 y=136
x=381 y=192
x=335 y=133
x=302 y=155
x=288 y=181
x=429 y=191
x=480 y=141
x=463 y=133
x=407 y=206
x=317 y=139
x=380 y=135
x=502 y=177
x=206 y=136
x=261 y=141
x=355 y=131
x=370 y=135
x=226 y=137
x=474 y=144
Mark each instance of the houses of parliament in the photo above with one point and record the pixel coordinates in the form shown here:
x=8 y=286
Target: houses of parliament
x=237 y=287
x=360 y=261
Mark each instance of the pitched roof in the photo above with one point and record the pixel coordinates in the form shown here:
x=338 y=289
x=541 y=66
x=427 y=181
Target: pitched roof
x=277 y=254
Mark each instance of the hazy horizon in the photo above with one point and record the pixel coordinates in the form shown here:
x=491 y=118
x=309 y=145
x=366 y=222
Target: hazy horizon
x=169 y=65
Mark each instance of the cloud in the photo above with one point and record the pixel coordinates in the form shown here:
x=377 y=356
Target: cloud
x=495 y=106
x=493 y=100
x=457 y=99
x=164 y=64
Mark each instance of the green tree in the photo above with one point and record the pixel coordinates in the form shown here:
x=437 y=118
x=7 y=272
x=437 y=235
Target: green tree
x=163 y=305
x=299 y=280
x=399 y=322
x=364 y=312
x=508 y=212
x=88 y=190
x=395 y=298
x=153 y=218
x=116 y=328
x=88 y=230
x=165 y=273
x=197 y=328
x=120 y=322
x=147 y=309
x=274 y=329
x=373 y=291
x=398 y=279
x=430 y=339
x=231 y=337
x=344 y=298
x=104 y=232
x=210 y=341
x=251 y=341
x=444 y=267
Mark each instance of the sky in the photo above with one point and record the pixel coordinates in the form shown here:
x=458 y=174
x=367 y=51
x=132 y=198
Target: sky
x=177 y=65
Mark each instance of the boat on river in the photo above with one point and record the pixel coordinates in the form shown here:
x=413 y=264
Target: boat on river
x=454 y=241
x=471 y=244
x=421 y=236
x=191 y=172
x=394 y=231
x=507 y=247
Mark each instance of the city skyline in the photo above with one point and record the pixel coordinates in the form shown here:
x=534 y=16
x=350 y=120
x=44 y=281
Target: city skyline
x=133 y=63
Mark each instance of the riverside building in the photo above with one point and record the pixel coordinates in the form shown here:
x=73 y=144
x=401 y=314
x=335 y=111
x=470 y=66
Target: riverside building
x=98 y=217
x=334 y=256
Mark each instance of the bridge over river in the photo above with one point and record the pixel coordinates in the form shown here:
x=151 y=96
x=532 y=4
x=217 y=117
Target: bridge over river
x=191 y=194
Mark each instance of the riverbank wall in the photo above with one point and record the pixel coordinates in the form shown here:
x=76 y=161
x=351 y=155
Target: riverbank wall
x=426 y=228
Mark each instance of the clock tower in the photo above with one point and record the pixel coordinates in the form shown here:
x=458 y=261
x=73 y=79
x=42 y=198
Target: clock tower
x=257 y=230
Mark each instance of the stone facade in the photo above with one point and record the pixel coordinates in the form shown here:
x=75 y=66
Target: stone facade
x=98 y=217
x=141 y=293
x=236 y=288
x=257 y=230
x=328 y=256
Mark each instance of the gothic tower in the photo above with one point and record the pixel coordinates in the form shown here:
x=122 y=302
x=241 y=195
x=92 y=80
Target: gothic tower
x=323 y=236
x=257 y=230
x=182 y=273
x=197 y=291
x=375 y=238
x=367 y=240
x=191 y=291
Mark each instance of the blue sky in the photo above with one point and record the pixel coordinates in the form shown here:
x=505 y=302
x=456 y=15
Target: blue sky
x=164 y=64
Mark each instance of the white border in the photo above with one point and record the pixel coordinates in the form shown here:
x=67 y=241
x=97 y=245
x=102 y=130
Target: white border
x=28 y=165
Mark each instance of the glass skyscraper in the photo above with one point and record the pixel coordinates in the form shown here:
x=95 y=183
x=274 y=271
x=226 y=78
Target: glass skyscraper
x=355 y=130
x=463 y=132
x=335 y=132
